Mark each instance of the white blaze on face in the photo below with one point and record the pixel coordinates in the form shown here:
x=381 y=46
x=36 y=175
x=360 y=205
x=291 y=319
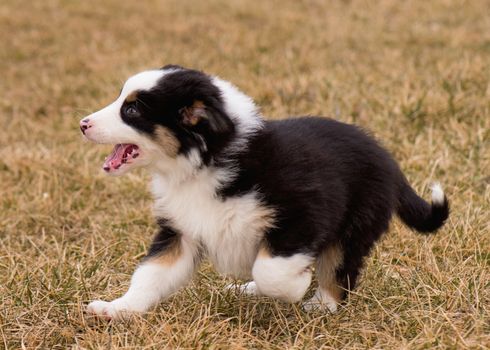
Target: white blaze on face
x=106 y=125
x=132 y=148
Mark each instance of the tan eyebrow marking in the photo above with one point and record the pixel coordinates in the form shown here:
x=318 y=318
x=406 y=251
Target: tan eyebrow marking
x=132 y=96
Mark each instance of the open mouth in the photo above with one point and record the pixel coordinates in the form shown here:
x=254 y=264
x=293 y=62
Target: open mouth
x=123 y=153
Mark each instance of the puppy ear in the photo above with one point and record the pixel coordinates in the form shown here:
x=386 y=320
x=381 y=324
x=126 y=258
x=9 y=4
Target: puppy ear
x=215 y=119
x=192 y=115
x=172 y=66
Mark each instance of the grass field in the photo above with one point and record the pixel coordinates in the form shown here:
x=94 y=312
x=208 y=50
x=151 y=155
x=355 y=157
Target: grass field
x=415 y=73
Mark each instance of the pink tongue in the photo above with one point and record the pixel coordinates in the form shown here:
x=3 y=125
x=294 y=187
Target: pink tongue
x=120 y=155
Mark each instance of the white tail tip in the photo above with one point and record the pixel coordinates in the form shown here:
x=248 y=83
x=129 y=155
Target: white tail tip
x=437 y=193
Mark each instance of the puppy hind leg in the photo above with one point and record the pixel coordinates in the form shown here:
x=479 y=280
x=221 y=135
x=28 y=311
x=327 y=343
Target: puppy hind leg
x=329 y=293
x=285 y=278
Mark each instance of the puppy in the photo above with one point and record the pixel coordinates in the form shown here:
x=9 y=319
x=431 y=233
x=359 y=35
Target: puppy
x=263 y=200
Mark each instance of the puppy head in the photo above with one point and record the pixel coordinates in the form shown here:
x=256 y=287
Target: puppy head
x=161 y=115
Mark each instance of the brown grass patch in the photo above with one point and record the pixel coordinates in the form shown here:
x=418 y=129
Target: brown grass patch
x=415 y=73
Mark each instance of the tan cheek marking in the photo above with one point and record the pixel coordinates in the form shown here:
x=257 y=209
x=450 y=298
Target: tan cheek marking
x=167 y=141
x=170 y=255
x=329 y=260
x=132 y=96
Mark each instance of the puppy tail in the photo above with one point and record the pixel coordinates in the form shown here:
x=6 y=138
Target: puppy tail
x=416 y=213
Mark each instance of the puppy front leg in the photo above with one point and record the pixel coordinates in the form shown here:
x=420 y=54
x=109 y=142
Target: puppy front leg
x=169 y=265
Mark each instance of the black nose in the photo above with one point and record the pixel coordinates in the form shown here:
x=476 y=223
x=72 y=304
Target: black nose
x=84 y=125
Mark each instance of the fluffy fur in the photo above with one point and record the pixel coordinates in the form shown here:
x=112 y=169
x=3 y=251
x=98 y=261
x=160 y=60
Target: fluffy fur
x=266 y=200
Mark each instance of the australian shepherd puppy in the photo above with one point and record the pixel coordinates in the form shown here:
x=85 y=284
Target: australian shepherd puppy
x=270 y=201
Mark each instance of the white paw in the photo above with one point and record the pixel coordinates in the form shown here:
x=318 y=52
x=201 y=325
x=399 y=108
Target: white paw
x=315 y=305
x=114 y=310
x=321 y=302
x=249 y=288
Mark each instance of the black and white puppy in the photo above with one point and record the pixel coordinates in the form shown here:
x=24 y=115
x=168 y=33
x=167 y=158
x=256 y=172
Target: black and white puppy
x=267 y=200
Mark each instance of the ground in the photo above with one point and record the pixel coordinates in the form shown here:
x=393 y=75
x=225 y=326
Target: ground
x=414 y=73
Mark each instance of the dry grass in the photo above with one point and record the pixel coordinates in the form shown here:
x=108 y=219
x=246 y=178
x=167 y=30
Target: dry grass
x=415 y=73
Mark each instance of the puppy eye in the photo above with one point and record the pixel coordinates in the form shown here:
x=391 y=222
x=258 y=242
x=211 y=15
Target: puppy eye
x=131 y=111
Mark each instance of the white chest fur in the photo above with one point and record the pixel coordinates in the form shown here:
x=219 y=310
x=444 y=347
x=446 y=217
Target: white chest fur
x=230 y=230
